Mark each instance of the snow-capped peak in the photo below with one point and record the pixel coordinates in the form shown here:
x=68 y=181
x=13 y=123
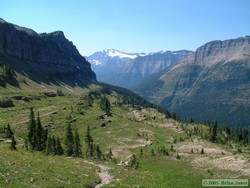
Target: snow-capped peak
x=117 y=53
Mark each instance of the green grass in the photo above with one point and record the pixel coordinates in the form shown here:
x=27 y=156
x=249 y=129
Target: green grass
x=25 y=168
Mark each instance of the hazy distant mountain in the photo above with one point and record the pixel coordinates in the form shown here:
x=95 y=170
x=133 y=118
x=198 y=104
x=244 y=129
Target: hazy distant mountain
x=106 y=61
x=128 y=70
x=211 y=84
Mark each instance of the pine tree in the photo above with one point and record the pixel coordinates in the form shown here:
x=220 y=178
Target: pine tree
x=152 y=152
x=141 y=152
x=202 y=151
x=59 y=149
x=69 y=142
x=105 y=105
x=98 y=153
x=44 y=138
x=32 y=130
x=53 y=145
x=13 y=143
x=134 y=162
x=39 y=134
x=9 y=132
x=90 y=144
x=77 y=143
x=49 y=146
x=213 y=136
x=109 y=154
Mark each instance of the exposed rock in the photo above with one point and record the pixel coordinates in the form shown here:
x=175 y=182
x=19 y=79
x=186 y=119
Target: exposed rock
x=103 y=125
x=50 y=94
x=6 y=103
x=57 y=56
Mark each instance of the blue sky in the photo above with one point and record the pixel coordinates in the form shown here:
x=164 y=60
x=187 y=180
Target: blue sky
x=133 y=25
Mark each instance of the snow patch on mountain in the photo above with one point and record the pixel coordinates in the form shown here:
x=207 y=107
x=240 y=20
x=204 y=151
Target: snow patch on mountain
x=117 y=53
x=95 y=62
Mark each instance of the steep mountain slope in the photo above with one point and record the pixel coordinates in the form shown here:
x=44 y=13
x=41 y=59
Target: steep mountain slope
x=212 y=84
x=44 y=57
x=133 y=69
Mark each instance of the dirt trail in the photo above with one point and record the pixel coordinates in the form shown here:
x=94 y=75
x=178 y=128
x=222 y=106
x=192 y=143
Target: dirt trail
x=104 y=175
x=106 y=178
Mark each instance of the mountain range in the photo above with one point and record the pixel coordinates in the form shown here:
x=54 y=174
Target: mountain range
x=130 y=69
x=212 y=84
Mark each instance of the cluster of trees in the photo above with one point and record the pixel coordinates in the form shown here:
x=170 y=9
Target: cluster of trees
x=8 y=72
x=238 y=135
x=8 y=133
x=40 y=140
x=53 y=146
x=93 y=151
x=8 y=75
x=213 y=132
x=105 y=105
x=134 y=162
x=37 y=136
x=72 y=143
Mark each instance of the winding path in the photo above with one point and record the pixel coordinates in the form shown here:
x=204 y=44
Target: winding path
x=106 y=178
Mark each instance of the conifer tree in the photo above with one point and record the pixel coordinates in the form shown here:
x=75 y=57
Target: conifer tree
x=32 y=130
x=213 y=136
x=9 y=132
x=44 y=138
x=134 y=162
x=59 y=149
x=69 y=142
x=77 y=143
x=39 y=134
x=202 y=151
x=49 y=146
x=13 y=143
x=105 y=105
x=98 y=153
x=53 y=145
x=90 y=144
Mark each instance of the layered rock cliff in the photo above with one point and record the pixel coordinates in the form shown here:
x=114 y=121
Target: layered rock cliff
x=52 y=51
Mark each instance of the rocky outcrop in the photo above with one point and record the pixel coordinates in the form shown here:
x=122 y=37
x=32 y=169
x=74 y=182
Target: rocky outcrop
x=51 y=50
x=6 y=103
x=220 y=51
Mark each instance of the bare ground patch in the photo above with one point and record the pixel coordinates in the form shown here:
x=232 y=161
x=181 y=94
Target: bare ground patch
x=214 y=157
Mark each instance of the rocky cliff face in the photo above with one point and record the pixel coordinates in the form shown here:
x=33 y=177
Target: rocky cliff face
x=211 y=84
x=52 y=51
x=220 y=51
